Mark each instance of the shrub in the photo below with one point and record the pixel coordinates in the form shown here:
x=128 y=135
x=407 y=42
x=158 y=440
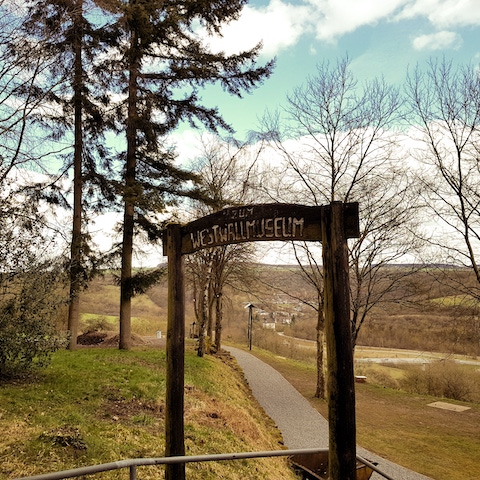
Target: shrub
x=27 y=317
x=282 y=345
x=378 y=377
x=97 y=324
x=442 y=379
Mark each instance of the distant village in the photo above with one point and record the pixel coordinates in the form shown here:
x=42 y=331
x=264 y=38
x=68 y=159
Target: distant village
x=285 y=311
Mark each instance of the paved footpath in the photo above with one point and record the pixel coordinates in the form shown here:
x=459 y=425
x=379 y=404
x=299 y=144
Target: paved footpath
x=300 y=424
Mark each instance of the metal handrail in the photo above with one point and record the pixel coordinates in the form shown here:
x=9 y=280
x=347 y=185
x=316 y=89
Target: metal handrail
x=374 y=467
x=142 y=462
x=132 y=464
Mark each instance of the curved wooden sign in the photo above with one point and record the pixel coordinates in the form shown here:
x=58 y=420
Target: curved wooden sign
x=263 y=222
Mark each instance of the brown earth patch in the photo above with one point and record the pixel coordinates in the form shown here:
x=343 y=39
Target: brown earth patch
x=118 y=408
x=91 y=338
x=65 y=436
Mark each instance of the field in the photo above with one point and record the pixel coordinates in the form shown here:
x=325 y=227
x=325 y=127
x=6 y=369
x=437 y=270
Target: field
x=99 y=308
x=426 y=314
x=399 y=426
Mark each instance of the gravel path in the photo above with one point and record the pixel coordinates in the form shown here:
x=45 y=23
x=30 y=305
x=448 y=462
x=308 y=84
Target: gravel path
x=300 y=424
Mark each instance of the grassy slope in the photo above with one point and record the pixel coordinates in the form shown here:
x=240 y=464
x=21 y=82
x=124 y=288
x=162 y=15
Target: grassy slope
x=402 y=427
x=97 y=405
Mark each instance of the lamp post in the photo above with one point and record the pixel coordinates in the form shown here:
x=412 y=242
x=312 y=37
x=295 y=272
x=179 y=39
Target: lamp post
x=250 y=307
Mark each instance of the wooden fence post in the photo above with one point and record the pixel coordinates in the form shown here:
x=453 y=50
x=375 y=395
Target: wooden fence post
x=174 y=420
x=340 y=382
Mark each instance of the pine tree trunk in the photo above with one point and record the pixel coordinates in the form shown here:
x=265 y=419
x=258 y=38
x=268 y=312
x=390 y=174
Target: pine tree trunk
x=76 y=242
x=126 y=278
x=126 y=290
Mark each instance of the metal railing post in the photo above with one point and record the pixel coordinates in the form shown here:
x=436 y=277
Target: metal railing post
x=133 y=472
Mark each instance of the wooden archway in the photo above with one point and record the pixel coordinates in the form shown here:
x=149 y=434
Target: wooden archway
x=331 y=225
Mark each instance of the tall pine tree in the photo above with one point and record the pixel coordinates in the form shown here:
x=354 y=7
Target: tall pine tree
x=160 y=64
x=71 y=43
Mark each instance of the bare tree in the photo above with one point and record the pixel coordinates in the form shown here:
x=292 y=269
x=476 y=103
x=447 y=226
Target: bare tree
x=22 y=150
x=445 y=106
x=390 y=225
x=228 y=173
x=30 y=278
x=338 y=142
x=199 y=268
x=21 y=67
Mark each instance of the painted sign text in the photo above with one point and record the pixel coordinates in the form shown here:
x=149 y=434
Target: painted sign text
x=277 y=228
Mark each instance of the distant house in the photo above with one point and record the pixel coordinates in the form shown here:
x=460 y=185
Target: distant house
x=269 y=324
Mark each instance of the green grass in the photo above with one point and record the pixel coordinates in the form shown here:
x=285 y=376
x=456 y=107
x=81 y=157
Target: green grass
x=99 y=303
x=456 y=300
x=143 y=326
x=439 y=443
x=96 y=405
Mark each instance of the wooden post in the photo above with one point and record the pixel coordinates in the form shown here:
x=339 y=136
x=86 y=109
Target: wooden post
x=341 y=385
x=174 y=421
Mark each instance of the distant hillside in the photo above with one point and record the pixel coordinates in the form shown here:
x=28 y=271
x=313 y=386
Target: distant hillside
x=429 y=310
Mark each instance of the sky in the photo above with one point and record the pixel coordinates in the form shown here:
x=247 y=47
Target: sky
x=380 y=37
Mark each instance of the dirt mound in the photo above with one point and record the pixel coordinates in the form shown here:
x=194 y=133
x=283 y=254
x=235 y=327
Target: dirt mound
x=114 y=340
x=91 y=338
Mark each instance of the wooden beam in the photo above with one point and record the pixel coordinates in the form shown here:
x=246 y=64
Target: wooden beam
x=253 y=223
x=332 y=224
x=174 y=403
x=340 y=381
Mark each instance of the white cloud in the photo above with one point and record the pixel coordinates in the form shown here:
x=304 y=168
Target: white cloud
x=187 y=144
x=333 y=18
x=443 y=13
x=278 y=26
x=437 y=41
